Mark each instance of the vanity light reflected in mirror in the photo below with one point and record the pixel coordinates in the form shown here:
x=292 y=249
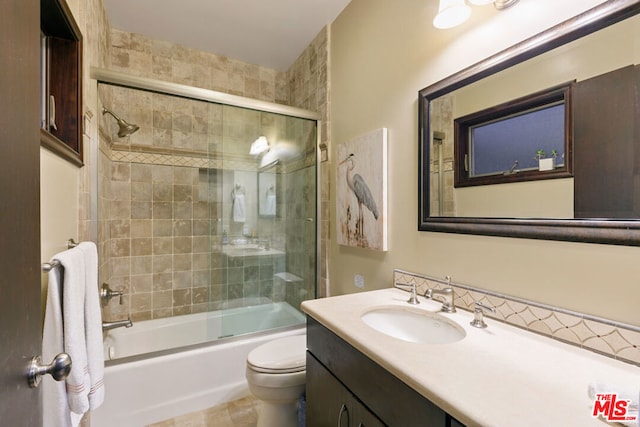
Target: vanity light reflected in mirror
x=259 y=146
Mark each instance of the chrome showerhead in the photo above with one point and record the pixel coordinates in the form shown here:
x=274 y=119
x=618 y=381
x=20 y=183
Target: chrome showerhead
x=124 y=128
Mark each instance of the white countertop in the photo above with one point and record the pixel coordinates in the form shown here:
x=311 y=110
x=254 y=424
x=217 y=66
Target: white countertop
x=248 y=250
x=498 y=376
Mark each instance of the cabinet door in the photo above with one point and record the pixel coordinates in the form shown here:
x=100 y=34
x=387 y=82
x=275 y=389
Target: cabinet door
x=327 y=399
x=362 y=417
x=330 y=403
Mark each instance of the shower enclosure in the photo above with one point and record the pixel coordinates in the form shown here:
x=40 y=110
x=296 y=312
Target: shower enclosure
x=210 y=207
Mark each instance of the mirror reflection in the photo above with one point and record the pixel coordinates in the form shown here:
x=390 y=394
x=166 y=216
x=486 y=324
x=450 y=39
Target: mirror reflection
x=267 y=198
x=592 y=63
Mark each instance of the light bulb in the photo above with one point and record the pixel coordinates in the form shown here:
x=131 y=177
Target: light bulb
x=451 y=13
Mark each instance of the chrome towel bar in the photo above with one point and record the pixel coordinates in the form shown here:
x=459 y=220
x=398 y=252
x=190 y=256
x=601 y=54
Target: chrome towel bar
x=48 y=266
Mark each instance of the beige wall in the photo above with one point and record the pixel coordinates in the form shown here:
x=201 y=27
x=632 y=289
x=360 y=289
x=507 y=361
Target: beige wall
x=382 y=54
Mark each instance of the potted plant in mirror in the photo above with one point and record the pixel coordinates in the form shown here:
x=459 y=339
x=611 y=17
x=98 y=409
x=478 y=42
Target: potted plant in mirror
x=546 y=163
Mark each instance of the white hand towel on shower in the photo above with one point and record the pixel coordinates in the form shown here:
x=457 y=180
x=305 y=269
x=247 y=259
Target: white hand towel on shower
x=54 y=393
x=271 y=205
x=239 y=208
x=64 y=330
x=73 y=324
x=93 y=326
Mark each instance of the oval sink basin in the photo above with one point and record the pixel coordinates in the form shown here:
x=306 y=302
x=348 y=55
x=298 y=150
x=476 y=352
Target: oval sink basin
x=413 y=326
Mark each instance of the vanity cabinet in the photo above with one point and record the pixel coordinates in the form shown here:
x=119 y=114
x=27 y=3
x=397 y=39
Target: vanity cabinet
x=338 y=406
x=346 y=388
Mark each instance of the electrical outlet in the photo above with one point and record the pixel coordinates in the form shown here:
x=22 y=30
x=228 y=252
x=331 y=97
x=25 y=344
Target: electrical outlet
x=358 y=281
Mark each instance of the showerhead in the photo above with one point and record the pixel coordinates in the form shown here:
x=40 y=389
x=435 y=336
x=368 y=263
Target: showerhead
x=124 y=128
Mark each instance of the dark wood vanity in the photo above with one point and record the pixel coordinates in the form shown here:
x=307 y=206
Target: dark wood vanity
x=347 y=388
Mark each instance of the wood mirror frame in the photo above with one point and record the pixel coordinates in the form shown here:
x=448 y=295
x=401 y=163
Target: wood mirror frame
x=607 y=231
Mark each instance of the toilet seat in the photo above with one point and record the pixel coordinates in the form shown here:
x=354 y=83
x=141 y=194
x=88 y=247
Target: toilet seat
x=281 y=356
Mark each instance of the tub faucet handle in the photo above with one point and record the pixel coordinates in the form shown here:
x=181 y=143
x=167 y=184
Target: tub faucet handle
x=106 y=293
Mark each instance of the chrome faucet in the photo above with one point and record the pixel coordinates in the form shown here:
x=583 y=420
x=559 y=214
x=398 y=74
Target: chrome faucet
x=413 y=299
x=117 y=324
x=478 y=321
x=446 y=295
x=106 y=293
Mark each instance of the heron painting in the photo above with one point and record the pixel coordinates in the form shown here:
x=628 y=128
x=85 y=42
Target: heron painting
x=361 y=194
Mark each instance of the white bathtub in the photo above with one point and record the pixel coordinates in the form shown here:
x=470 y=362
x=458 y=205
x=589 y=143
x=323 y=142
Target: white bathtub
x=141 y=390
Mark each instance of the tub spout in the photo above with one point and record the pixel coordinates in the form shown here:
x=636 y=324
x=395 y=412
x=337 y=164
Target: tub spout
x=117 y=324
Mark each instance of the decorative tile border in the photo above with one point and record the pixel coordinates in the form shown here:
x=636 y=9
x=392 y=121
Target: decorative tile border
x=613 y=339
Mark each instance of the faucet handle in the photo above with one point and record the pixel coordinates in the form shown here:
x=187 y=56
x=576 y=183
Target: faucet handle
x=413 y=299
x=106 y=293
x=478 y=315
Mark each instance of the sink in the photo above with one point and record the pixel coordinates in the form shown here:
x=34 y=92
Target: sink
x=413 y=325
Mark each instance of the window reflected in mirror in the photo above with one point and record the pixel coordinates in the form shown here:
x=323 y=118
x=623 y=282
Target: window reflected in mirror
x=522 y=140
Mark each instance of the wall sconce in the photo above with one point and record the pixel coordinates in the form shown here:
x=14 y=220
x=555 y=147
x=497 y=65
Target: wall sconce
x=259 y=146
x=452 y=13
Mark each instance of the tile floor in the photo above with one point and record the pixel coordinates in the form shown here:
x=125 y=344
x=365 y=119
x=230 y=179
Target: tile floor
x=238 y=413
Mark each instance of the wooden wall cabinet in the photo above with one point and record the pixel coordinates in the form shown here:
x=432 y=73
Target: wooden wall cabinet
x=345 y=388
x=61 y=81
x=607 y=145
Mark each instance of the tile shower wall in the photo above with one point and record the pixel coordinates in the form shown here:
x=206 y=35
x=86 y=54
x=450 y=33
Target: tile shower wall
x=309 y=87
x=305 y=85
x=169 y=198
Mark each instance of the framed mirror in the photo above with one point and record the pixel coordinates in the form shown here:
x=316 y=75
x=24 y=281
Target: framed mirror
x=599 y=201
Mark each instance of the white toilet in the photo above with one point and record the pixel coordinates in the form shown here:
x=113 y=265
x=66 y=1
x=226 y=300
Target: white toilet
x=276 y=376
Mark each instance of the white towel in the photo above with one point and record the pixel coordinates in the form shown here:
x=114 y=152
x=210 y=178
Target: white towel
x=54 y=393
x=69 y=283
x=93 y=326
x=239 y=208
x=73 y=324
x=271 y=205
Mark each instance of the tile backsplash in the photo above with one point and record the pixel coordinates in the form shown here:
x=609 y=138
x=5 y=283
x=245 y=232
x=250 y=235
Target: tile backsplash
x=613 y=339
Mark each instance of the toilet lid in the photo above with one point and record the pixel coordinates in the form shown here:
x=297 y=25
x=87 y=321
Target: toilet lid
x=282 y=355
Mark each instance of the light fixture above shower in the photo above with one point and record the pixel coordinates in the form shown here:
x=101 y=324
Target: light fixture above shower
x=124 y=128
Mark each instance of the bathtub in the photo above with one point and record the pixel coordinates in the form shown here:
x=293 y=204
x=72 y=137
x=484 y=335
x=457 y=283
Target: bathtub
x=148 y=383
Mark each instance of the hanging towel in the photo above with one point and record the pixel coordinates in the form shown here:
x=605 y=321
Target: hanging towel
x=239 y=208
x=54 y=393
x=93 y=325
x=73 y=324
x=271 y=205
x=68 y=281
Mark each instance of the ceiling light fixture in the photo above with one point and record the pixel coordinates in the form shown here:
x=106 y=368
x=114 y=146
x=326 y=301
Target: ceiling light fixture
x=452 y=13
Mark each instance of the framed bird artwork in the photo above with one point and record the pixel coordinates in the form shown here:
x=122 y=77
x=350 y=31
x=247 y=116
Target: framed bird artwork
x=361 y=191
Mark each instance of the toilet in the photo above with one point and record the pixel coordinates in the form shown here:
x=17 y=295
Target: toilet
x=276 y=375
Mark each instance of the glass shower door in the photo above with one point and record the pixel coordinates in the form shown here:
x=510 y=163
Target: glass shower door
x=268 y=205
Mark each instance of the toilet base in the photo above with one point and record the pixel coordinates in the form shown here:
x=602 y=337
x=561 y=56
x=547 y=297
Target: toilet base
x=278 y=414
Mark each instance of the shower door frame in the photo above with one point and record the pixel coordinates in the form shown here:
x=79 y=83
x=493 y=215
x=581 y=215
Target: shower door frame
x=116 y=78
